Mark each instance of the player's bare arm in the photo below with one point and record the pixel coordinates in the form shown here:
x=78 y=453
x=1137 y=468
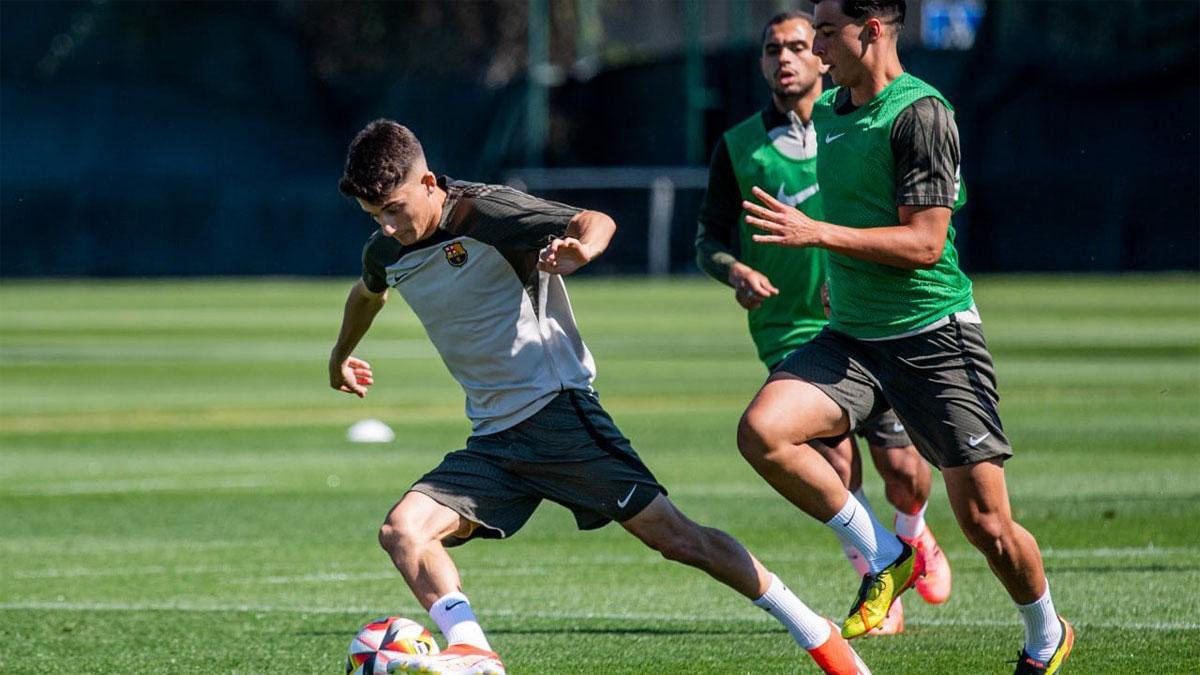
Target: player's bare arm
x=916 y=242
x=587 y=236
x=347 y=373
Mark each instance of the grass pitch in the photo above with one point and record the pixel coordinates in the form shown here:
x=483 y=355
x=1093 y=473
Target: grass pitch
x=177 y=494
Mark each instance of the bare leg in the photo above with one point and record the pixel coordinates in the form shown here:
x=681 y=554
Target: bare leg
x=844 y=459
x=979 y=497
x=665 y=529
x=773 y=435
x=412 y=535
x=906 y=476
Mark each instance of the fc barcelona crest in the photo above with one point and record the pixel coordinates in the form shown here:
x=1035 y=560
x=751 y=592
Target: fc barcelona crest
x=455 y=254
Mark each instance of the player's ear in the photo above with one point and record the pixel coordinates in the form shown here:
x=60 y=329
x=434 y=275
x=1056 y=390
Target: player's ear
x=874 y=29
x=429 y=181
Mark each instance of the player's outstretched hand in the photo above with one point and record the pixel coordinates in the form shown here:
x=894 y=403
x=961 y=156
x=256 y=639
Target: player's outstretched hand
x=352 y=376
x=750 y=287
x=564 y=256
x=785 y=225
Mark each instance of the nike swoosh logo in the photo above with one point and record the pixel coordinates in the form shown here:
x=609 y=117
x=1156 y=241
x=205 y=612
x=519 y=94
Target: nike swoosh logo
x=976 y=440
x=801 y=196
x=829 y=138
x=453 y=605
x=622 y=502
x=850 y=517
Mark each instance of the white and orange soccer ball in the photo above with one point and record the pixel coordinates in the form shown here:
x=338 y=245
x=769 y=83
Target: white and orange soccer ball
x=382 y=639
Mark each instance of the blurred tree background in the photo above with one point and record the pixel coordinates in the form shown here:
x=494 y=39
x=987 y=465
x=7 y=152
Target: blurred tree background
x=206 y=138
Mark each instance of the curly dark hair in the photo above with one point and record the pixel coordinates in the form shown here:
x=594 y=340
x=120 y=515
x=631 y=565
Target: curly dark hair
x=379 y=159
x=887 y=11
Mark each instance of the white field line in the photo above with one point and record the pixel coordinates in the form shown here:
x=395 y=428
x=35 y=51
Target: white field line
x=90 y=545
x=360 y=574
x=138 y=485
x=561 y=616
x=83 y=572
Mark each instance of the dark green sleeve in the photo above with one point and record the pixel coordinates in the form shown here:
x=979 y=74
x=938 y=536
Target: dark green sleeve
x=374 y=274
x=511 y=219
x=717 y=239
x=925 y=147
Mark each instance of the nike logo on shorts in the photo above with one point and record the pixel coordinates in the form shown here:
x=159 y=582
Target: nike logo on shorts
x=829 y=138
x=622 y=502
x=976 y=440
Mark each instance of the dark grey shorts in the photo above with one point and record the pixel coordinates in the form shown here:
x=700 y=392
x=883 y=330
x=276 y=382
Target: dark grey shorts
x=881 y=431
x=941 y=384
x=885 y=430
x=569 y=452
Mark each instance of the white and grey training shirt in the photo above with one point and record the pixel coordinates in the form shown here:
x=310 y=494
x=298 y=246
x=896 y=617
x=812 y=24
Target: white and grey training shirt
x=504 y=330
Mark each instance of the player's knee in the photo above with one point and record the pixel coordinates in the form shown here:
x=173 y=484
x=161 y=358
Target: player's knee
x=400 y=531
x=757 y=436
x=988 y=533
x=749 y=437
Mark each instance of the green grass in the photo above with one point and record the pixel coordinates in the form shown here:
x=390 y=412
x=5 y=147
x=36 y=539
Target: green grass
x=177 y=495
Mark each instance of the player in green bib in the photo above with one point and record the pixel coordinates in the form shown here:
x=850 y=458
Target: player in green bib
x=904 y=330
x=780 y=287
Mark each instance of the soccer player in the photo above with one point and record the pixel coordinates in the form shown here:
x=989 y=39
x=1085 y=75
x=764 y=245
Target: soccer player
x=904 y=329
x=781 y=287
x=482 y=267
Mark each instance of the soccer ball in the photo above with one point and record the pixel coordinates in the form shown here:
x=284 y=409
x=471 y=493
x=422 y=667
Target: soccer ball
x=382 y=639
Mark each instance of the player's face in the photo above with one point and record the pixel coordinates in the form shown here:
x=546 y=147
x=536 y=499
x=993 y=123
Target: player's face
x=409 y=213
x=838 y=42
x=788 y=64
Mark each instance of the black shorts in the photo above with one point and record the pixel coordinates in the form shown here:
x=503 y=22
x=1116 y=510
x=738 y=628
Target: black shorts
x=569 y=452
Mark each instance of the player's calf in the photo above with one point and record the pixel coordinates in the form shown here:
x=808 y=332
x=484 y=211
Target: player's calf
x=907 y=478
x=667 y=530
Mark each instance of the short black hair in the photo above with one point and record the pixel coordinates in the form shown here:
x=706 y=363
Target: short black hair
x=380 y=158
x=887 y=11
x=785 y=16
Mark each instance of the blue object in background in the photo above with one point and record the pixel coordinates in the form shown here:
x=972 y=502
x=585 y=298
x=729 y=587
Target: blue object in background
x=950 y=24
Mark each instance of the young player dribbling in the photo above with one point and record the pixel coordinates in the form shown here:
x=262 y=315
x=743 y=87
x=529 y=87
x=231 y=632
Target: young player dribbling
x=482 y=267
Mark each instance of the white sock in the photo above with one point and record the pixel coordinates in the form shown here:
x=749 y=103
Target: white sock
x=910 y=526
x=855 y=525
x=1042 y=628
x=857 y=561
x=452 y=613
x=808 y=628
